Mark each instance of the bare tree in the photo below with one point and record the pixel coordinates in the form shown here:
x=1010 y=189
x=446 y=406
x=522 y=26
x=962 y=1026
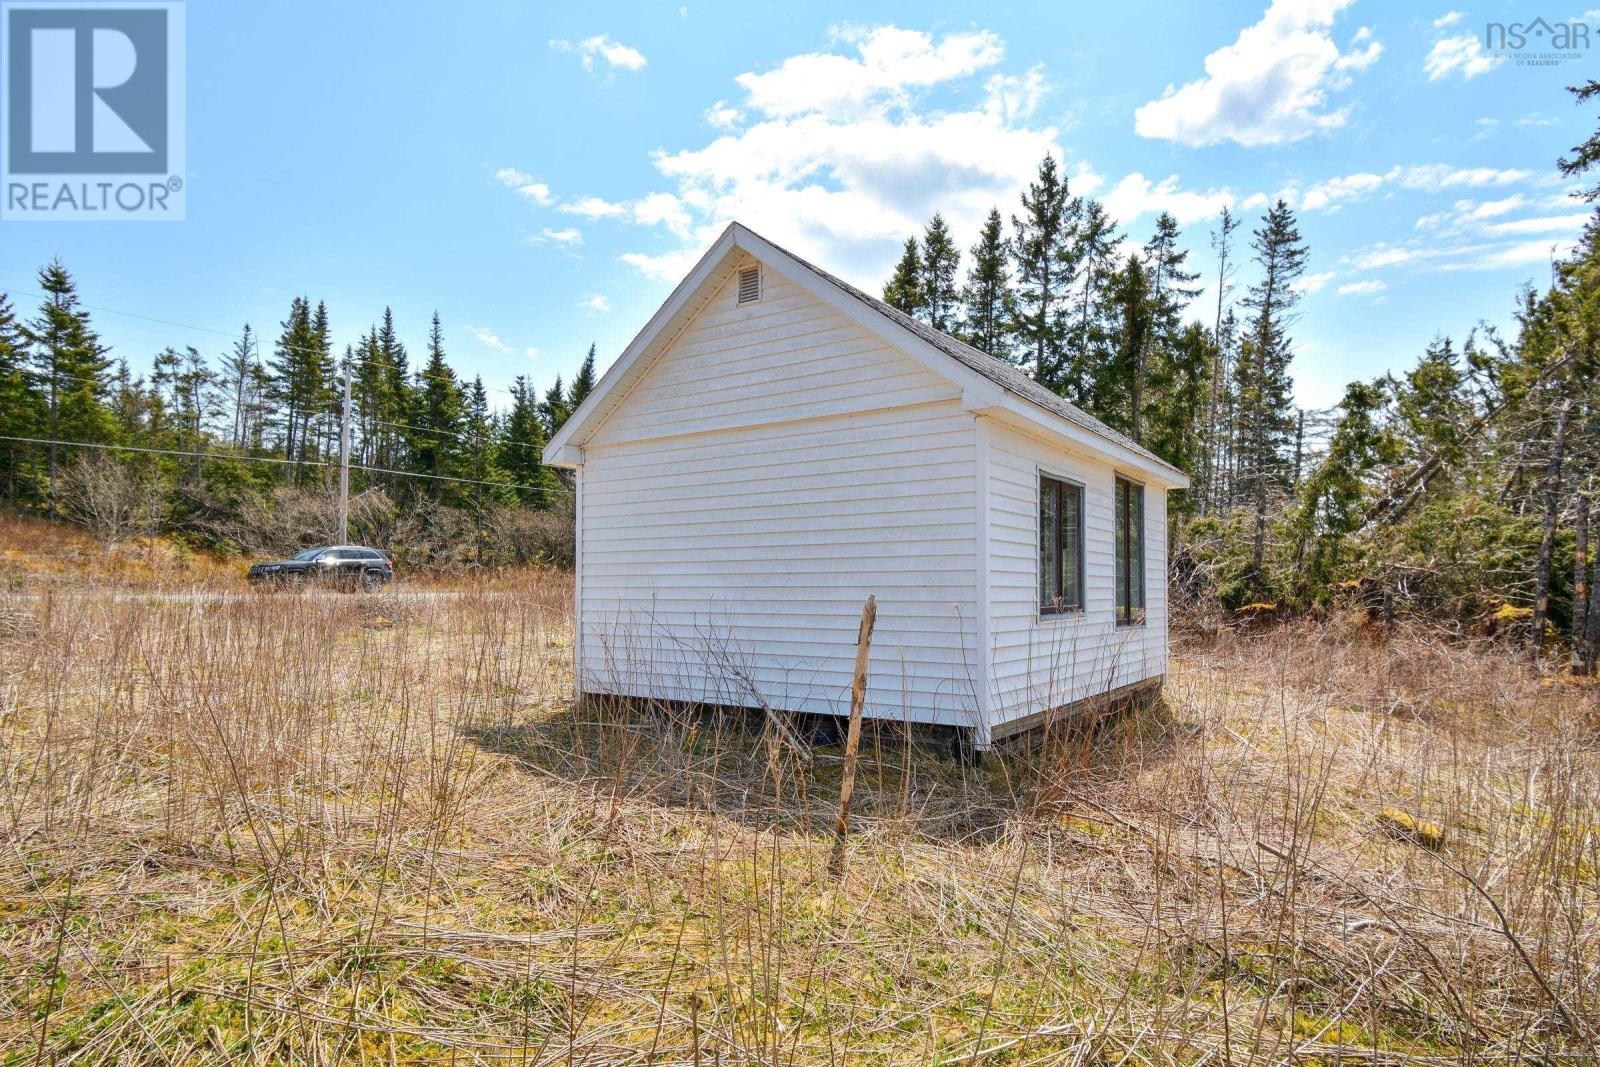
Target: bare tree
x=113 y=499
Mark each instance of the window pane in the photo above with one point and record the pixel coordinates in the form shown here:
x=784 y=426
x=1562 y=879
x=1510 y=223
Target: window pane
x=1048 y=505
x=1071 y=546
x=1136 y=547
x=1119 y=529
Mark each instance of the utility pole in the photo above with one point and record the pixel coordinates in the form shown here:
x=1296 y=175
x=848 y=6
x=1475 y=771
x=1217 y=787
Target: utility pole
x=344 y=461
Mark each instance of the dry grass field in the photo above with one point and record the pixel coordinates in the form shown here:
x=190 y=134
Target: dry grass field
x=350 y=829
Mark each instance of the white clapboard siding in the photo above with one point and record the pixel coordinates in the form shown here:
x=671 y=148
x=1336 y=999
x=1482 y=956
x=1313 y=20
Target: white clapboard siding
x=1042 y=662
x=774 y=466
x=786 y=356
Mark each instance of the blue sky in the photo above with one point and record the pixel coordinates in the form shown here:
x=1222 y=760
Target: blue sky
x=542 y=174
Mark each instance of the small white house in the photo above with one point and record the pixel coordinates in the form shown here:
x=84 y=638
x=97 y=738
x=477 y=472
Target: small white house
x=775 y=445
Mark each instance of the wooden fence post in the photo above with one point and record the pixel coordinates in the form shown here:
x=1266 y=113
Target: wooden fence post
x=858 y=696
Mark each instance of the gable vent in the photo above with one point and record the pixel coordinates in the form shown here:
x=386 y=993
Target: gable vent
x=749 y=285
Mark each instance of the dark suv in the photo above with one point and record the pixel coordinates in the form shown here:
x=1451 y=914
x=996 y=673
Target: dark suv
x=354 y=565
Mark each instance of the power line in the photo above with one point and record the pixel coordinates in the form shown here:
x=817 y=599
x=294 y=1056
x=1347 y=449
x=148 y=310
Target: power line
x=281 y=462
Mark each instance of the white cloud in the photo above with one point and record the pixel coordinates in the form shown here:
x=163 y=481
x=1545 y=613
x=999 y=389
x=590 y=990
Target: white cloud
x=1521 y=254
x=1435 y=176
x=1449 y=18
x=891 y=63
x=594 y=207
x=1313 y=282
x=1543 y=224
x=723 y=116
x=1536 y=119
x=1462 y=56
x=1382 y=255
x=835 y=154
x=569 y=236
x=663 y=209
x=599 y=50
x=1330 y=194
x=493 y=342
x=524 y=185
x=1270 y=86
x=1135 y=195
x=1015 y=98
x=595 y=302
x=668 y=267
x=1363 y=288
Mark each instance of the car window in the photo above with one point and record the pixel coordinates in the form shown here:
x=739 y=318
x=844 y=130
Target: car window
x=308 y=555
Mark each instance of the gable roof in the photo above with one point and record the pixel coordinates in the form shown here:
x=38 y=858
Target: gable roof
x=954 y=359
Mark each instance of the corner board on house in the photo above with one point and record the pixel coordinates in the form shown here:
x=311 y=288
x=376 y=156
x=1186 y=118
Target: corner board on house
x=775 y=445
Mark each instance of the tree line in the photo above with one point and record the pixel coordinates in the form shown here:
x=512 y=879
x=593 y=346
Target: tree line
x=1463 y=488
x=208 y=443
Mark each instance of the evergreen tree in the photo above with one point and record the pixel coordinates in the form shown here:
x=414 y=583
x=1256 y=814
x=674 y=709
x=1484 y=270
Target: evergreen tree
x=21 y=407
x=1092 y=337
x=382 y=395
x=988 y=299
x=583 y=383
x=940 y=261
x=1110 y=390
x=1586 y=156
x=1330 y=504
x=301 y=377
x=1042 y=247
x=522 y=441
x=1433 y=406
x=1212 y=460
x=554 y=408
x=1263 y=376
x=71 y=363
x=239 y=381
x=904 y=291
x=1171 y=290
x=435 y=445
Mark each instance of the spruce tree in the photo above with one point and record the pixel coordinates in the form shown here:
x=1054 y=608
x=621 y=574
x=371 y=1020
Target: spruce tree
x=940 y=262
x=522 y=441
x=583 y=383
x=904 y=291
x=71 y=364
x=302 y=379
x=1130 y=301
x=988 y=300
x=436 y=445
x=1586 y=156
x=1092 y=337
x=1267 y=424
x=236 y=380
x=21 y=405
x=1042 y=247
x=1212 y=470
x=554 y=408
x=1171 y=290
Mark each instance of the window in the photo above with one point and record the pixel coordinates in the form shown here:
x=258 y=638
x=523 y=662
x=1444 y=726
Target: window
x=1060 y=546
x=1129 y=532
x=749 y=285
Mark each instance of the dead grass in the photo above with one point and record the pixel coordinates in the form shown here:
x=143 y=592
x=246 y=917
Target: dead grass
x=274 y=829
